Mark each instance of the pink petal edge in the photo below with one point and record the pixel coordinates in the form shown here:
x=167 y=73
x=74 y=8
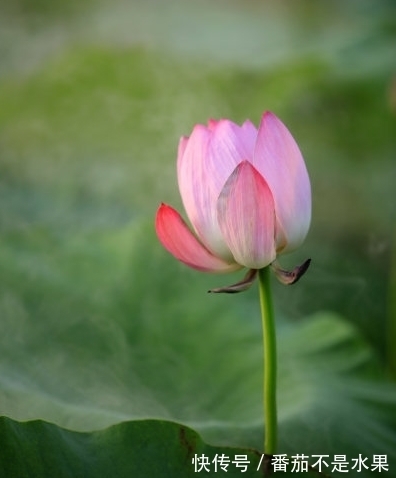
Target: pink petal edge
x=181 y=147
x=278 y=159
x=177 y=239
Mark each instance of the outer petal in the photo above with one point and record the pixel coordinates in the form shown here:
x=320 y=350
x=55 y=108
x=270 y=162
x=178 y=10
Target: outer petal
x=246 y=215
x=205 y=162
x=182 y=146
x=175 y=236
x=192 y=172
x=279 y=160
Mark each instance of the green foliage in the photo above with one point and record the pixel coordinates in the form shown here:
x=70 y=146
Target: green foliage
x=138 y=449
x=102 y=331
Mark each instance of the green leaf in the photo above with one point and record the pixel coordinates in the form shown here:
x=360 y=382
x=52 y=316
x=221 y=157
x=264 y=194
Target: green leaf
x=132 y=449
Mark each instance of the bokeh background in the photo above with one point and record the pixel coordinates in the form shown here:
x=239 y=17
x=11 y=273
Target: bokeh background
x=98 y=323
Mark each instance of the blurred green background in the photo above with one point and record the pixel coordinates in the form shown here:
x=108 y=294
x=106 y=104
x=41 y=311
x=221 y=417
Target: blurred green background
x=98 y=323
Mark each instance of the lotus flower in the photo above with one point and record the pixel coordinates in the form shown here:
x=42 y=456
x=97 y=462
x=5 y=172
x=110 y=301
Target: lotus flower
x=246 y=192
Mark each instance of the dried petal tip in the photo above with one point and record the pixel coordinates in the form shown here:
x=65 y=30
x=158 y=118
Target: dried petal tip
x=290 y=277
x=241 y=286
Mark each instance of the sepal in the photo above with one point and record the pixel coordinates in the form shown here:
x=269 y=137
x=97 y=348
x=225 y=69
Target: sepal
x=290 y=277
x=241 y=286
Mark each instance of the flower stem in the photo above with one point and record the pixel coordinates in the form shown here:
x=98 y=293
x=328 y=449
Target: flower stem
x=391 y=325
x=269 y=343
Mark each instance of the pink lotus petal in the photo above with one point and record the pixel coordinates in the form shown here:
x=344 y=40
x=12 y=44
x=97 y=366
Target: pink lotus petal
x=176 y=237
x=205 y=161
x=181 y=148
x=246 y=214
x=229 y=145
x=278 y=158
x=212 y=123
x=250 y=130
x=196 y=191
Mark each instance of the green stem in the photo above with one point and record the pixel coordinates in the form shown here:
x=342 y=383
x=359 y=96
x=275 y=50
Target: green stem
x=391 y=325
x=269 y=343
